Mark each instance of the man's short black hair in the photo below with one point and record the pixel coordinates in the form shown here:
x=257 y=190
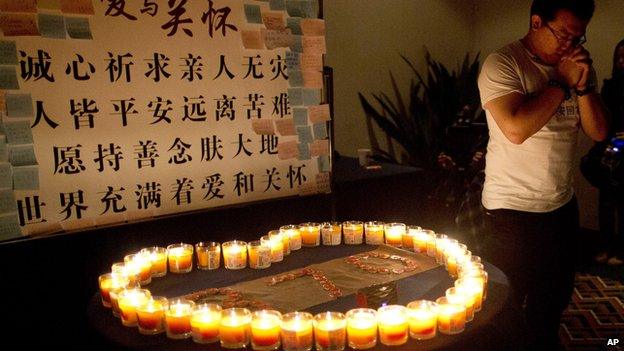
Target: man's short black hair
x=547 y=9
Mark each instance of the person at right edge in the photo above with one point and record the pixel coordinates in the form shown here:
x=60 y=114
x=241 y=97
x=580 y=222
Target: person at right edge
x=611 y=194
x=537 y=92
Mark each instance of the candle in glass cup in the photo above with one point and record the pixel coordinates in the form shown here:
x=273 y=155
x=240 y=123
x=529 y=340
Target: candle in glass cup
x=408 y=237
x=276 y=245
x=114 y=294
x=431 y=245
x=449 y=245
x=394 y=233
x=107 y=282
x=423 y=319
x=178 y=318
x=151 y=315
x=130 y=272
x=129 y=300
x=259 y=254
x=422 y=239
x=297 y=331
x=205 y=322
x=180 y=258
x=143 y=262
x=158 y=256
x=331 y=233
x=208 y=255
x=393 y=325
x=453 y=254
x=462 y=297
x=374 y=233
x=293 y=234
x=451 y=317
x=362 y=328
x=441 y=241
x=467 y=267
x=330 y=331
x=234 y=254
x=353 y=232
x=310 y=234
x=235 y=328
x=473 y=286
x=479 y=276
x=265 y=330
x=279 y=239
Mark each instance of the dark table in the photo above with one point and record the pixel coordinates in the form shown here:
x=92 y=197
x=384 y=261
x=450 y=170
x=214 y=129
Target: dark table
x=498 y=326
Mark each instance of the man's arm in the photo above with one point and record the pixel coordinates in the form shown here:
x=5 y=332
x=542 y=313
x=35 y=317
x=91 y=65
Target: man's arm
x=594 y=116
x=519 y=116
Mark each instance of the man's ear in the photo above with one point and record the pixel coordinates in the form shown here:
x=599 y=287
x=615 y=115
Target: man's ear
x=536 y=22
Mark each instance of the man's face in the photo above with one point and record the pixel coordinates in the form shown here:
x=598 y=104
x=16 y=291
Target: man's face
x=560 y=36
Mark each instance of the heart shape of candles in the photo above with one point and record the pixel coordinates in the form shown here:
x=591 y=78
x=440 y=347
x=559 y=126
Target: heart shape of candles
x=468 y=293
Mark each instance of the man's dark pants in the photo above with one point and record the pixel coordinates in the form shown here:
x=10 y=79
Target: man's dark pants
x=537 y=252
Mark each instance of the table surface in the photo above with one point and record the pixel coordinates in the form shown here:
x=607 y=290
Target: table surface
x=497 y=326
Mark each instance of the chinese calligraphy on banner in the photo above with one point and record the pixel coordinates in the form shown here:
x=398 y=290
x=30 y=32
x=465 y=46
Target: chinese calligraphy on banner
x=118 y=110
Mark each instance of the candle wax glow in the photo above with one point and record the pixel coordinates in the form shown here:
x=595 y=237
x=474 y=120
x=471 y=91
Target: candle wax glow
x=330 y=333
x=265 y=331
x=206 y=324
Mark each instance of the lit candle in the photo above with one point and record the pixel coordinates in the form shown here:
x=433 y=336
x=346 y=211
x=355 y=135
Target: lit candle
x=423 y=319
x=144 y=265
x=473 y=285
x=151 y=316
x=158 y=256
x=180 y=258
x=129 y=300
x=451 y=317
x=374 y=232
x=441 y=241
x=330 y=331
x=276 y=244
x=205 y=321
x=281 y=240
x=408 y=237
x=130 y=272
x=331 y=233
x=259 y=254
x=234 y=329
x=208 y=255
x=422 y=239
x=431 y=245
x=448 y=246
x=310 y=234
x=393 y=325
x=108 y=281
x=394 y=233
x=293 y=234
x=178 y=319
x=353 y=232
x=362 y=328
x=478 y=276
x=234 y=254
x=461 y=297
x=114 y=294
x=297 y=331
x=454 y=253
x=265 y=330
x=467 y=267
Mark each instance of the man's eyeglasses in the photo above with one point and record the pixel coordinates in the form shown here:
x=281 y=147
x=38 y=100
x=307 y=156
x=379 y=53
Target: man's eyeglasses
x=574 y=42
